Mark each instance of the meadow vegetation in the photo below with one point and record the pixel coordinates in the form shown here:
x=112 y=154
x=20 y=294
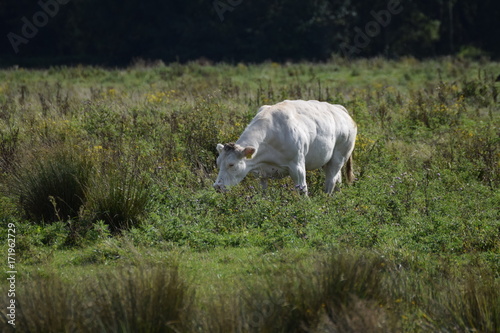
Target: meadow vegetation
x=107 y=173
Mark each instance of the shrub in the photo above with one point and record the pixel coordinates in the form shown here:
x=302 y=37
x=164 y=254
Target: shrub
x=475 y=307
x=346 y=292
x=342 y=284
x=65 y=185
x=117 y=197
x=199 y=131
x=201 y=127
x=142 y=299
x=480 y=92
x=51 y=187
x=443 y=106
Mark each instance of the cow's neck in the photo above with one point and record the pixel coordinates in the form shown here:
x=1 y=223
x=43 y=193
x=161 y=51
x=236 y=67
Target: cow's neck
x=252 y=140
x=252 y=137
x=255 y=135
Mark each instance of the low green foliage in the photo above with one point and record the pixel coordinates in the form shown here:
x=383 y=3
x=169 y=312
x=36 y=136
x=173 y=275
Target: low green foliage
x=92 y=159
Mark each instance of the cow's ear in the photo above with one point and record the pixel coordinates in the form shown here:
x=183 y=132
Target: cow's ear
x=248 y=152
x=220 y=147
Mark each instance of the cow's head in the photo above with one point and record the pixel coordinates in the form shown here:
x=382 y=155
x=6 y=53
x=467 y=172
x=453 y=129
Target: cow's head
x=232 y=164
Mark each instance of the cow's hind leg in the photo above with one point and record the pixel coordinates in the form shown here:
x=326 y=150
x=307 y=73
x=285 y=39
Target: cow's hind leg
x=333 y=174
x=263 y=183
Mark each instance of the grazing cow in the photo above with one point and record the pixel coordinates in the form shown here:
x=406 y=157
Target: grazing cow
x=287 y=139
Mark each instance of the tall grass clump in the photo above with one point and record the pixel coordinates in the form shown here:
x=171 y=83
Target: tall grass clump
x=134 y=299
x=51 y=186
x=117 y=197
x=145 y=299
x=356 y=291
x=47 y=305
x=331 y=299
x=69 y=186
x=345 y=292
x=446 y=300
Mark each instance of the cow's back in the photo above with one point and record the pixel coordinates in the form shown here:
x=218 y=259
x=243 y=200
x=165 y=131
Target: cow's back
x=294 y=127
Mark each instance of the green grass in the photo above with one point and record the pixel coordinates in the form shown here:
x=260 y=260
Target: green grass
x=107 y=173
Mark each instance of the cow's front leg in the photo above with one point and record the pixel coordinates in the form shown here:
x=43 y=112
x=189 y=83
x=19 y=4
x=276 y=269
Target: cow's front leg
x=298 y=174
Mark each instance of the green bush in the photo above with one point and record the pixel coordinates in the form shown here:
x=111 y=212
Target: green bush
x=51 y=187
x=117 y=197
x=145 y=299
x=341 y=285
x=66 y=186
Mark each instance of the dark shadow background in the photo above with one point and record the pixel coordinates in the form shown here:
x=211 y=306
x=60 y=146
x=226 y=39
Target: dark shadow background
x=115 y=32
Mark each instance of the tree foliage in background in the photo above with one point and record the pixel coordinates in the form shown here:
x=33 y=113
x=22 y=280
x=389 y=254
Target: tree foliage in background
x=112 y=32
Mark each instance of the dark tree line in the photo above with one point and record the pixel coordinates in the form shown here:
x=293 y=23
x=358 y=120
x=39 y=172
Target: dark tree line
x=113 y=32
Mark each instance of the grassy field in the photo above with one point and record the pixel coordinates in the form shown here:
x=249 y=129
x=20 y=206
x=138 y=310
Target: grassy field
x=111 y=225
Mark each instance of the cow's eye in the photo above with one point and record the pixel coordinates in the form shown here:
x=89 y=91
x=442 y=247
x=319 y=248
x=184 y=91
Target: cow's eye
x=231 y=165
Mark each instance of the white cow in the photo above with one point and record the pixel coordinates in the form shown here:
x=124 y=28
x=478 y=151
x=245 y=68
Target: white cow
x=287 y=139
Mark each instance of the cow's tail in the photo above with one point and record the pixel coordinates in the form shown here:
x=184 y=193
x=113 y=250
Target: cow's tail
x=349 y=170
